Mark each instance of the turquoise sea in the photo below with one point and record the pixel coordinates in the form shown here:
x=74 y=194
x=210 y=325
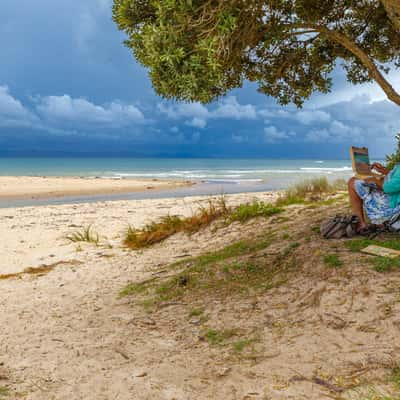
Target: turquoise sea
x=212 y=175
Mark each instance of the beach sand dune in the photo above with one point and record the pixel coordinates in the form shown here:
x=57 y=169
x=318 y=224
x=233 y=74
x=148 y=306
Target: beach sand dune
x=65 y=334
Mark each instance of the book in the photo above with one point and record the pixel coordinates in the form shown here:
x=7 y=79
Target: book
x=361 y=163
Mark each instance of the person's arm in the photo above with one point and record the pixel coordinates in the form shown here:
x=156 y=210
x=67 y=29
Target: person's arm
x=380 y=168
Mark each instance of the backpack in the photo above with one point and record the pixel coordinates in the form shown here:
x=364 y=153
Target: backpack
x=340 y=226
x=393 y=224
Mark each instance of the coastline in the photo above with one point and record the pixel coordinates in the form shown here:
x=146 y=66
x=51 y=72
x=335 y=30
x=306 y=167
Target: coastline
x=45 y=187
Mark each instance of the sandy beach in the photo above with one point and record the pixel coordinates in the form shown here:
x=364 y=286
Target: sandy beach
x=27 y=187
x=65 y=334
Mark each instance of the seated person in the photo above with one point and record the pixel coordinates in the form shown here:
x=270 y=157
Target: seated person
x=379 y=197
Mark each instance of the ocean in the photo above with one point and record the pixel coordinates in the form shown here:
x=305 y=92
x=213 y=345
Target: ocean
x=210 y=170
x=213 y=175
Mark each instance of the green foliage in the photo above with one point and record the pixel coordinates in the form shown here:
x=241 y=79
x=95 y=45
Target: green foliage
x=198 y=51
x=385 y=264
x=332 y=260
x=393 y=159
x=244 y=212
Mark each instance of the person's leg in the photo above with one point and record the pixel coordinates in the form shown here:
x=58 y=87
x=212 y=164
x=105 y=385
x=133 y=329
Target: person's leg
x=356 y=203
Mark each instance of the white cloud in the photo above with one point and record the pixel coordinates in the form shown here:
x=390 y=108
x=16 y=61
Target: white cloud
x=197 y=123
x=336 y=132
x=274 y=135
x=184 y=110
x=81 y=111
x=230 y=108
x=197 y=115
x=12 y=111
x=311 y=116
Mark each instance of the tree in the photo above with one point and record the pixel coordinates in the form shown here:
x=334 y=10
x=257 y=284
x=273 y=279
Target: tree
x=394 y=159
x=199 y=50
x=392 y=8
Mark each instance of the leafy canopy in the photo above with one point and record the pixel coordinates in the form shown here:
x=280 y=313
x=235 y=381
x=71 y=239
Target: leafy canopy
x=199 y=50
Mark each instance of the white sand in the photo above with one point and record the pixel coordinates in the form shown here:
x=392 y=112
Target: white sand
x=26 y=187
x=67 y=336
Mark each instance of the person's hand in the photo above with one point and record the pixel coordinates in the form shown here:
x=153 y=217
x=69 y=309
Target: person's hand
x=380 y=168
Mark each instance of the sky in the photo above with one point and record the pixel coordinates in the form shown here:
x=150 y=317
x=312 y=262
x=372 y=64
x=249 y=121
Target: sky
x=68 y=86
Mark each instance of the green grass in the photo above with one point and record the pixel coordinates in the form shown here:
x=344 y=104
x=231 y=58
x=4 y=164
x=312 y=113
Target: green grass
x=359 y=244
x=196 y=312
x=380 y=264
x=385 y=264
x=132 y=289
x=4 y=391
x=242 y=344
x=395 y=376
x=247 y=211
x=332 y=261
x=219 y=337
x=169 y=225
x=86 y=235
x=235 y=269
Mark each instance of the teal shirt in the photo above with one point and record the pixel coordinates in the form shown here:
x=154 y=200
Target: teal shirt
x=391 y=186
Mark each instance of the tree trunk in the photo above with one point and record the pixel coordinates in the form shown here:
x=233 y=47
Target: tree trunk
x=392 y=8
x=374 y=71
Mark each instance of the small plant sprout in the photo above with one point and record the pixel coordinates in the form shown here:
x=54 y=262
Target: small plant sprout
x=86 y=235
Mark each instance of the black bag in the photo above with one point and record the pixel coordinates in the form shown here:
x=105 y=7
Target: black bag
x=340 y=226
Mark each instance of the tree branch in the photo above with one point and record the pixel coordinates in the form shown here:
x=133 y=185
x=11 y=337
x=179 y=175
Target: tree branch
x=357 y=51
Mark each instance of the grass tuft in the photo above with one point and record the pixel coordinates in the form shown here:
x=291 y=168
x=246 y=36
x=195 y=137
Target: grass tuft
x=169 y=225
x=219 y=338
x=310 y=191
x=332 y=260
x=244 y=212
x=4 y=391
x=385 y=264
x=86 y=235
x=242 y=344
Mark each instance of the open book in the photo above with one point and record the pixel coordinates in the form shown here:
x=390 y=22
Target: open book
x=361 y=162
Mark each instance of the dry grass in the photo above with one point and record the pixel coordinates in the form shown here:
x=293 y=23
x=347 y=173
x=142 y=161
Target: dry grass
x=313 y=190
x=169 y=225
x=38 y=271
x=308 y=192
